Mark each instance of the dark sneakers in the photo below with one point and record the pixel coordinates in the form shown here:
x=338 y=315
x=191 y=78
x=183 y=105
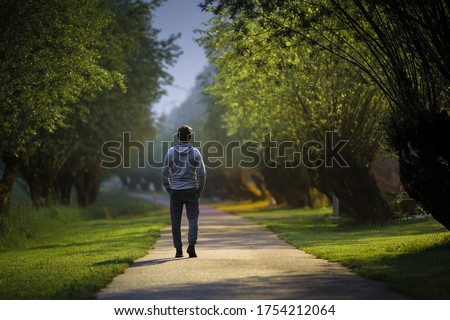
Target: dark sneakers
x=179 y=253
x=191 y=252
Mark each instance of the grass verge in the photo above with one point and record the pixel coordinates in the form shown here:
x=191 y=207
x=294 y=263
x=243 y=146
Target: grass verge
x=411 y=257
x=71 y=253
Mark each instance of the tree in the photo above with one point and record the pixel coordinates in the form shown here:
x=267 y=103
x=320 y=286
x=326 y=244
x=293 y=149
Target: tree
x=49 y=56
x=400 y=45
x=226 y=178
x=114 y=113
x=409 y=37
x=71 y=156
x=300 y=94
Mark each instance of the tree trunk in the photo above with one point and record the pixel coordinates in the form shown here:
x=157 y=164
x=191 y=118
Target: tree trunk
x=288 y=185
x=425 y=166
x=36 y=189
x=87 y=185
x=358 y=193
x=64 y=184
x=7 y=181
x=40 y=174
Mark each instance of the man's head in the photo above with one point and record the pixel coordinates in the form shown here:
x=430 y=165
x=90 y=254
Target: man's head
x=184 y=133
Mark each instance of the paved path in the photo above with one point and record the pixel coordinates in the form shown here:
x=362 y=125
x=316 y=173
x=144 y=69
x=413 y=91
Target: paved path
x=238 y=259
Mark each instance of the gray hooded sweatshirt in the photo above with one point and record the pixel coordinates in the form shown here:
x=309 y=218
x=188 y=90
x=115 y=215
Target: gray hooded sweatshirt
x=183 y=168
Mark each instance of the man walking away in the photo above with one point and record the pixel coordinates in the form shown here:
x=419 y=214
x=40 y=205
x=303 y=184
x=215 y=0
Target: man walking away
x=183 y=175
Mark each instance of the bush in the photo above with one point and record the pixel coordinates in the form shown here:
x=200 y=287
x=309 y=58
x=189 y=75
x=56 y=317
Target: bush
x=26 y=224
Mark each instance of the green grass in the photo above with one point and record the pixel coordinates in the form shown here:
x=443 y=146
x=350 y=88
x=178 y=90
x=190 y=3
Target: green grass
x=412 y=257
x=71 y=253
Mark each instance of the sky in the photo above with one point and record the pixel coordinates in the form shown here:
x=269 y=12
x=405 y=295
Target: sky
x=181 y=16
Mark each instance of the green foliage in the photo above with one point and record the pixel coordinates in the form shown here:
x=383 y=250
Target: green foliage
x=111 y=51
x=71 y=253
x=399 y=45
x=52 y=56
x=289 y=87
x=142 y=58
x=298 y=92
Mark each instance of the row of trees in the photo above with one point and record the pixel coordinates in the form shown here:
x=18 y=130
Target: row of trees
x=373 y=73
x=75 y=73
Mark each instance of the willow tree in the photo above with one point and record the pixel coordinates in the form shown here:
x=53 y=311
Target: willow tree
x=302 y=94
x=406 y=53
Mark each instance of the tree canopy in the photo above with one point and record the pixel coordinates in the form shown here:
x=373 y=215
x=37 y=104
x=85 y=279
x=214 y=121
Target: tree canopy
x=400 y=45
x=300 y=94
x=50 y=55
x=77 y=73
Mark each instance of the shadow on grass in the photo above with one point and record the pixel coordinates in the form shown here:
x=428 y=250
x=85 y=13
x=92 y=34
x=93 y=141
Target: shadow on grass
x=422 y=275
x=114 y=261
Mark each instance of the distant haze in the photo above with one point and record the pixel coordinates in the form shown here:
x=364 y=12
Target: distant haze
x=181 y=16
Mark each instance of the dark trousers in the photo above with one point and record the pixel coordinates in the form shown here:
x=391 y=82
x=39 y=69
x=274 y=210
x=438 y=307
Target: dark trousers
x=189 y=198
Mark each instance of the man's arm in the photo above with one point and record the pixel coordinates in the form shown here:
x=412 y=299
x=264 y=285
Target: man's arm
x=201 y=174
x=165 y=173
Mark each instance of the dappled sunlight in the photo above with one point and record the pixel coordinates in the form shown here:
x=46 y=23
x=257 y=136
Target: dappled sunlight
x=242 y=206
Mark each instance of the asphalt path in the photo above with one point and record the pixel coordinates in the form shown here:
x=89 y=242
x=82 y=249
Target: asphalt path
x=238 y=259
